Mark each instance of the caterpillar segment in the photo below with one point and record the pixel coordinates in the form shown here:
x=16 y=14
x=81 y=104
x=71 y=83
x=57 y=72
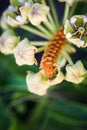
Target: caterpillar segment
x=51 y=54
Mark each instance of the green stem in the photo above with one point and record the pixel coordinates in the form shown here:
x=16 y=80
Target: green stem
x=51 y=20
x=72 y=10
x=45 y=31
x=39 y=43
x=40 y=49
x=66 y=12
x=34 y=31
x=54 y=13
x=66 y=55
x=49 y=27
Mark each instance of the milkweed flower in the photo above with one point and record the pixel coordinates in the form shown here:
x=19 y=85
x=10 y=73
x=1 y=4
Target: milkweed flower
x=25 y=12
x=16 y=20
x=76 y=30
x=38 y=84
x=17 y=12
x=74 y=73
x=37 y=13
x=8 y=41
x=24 y=53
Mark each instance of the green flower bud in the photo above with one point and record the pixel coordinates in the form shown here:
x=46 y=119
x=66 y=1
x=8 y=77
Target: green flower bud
x=76 y=30
x=8 y=41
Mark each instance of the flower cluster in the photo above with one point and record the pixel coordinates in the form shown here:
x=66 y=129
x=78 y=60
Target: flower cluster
x=24 y=11
x=35 y=16
x=22 y=50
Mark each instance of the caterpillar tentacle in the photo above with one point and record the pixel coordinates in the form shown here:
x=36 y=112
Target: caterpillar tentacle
x=51 y=54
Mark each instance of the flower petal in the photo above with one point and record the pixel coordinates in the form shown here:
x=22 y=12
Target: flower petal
x=24 y=53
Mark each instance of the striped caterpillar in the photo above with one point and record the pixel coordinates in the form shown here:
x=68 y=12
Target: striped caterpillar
x=51 y=54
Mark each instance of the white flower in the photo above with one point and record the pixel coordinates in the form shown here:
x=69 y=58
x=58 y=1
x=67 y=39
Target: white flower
x=37 y=13
x=75 y=30
x=23 y=17
x=8 y=41
x=58 y=79
x=16 y=20
x=24 y=53
x=75 y=72
x=38 y=84
x=3 y=22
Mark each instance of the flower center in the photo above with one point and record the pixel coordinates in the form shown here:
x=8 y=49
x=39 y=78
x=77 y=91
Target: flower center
x=81 y=30
x=34 y=11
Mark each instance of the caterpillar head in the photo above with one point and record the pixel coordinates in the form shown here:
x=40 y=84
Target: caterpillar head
x=50 y=71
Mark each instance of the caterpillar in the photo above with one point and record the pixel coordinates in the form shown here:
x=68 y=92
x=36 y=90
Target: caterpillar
x=51 y=54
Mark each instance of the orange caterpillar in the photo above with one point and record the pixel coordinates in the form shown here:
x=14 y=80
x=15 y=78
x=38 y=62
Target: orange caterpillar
x=50 y=56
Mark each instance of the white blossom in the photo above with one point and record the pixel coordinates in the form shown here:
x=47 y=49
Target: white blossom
x=74 y=73
x=8 y=41
x=38 y=84
x=37 y=13
x=24 y=53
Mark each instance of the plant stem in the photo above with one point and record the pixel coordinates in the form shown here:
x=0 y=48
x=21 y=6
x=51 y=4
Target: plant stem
x=51 y=23
x=72 y=10
x=66 y=12
x=40 y=49
x=45 y=31
x=39 y=43
x=54 y=13
x=50 y=27
x=34 y=31
x=66 y=55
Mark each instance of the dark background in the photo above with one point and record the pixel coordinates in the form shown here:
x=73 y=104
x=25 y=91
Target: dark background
x=3 y=5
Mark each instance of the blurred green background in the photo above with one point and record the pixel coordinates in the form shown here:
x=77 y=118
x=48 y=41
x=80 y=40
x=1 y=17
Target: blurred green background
x=63 y=108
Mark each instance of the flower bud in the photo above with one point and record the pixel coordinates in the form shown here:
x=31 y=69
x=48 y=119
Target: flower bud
x=24 y=53
x=16 y=20
x=8 y=41
x=74 y=73
x=3 y=21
